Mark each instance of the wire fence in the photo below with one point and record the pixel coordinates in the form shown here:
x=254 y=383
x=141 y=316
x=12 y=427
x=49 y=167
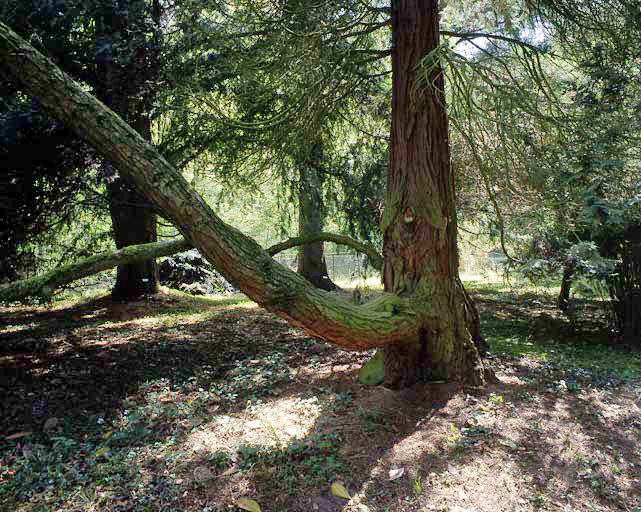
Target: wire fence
x=340 y=267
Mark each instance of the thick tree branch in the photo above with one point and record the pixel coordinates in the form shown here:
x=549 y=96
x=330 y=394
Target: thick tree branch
x=45 y=285
x=375 y=259
x=390 y=319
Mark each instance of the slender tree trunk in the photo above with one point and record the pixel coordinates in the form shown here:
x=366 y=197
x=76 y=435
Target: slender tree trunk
x=630 y=296
x=132 y=218
x=569 y=267
x=311 y=218
x=419 y=222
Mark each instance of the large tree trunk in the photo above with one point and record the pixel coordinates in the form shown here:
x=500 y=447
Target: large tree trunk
x=311 y=218
x=118 y=62
x=427 y=318
x=419 y=223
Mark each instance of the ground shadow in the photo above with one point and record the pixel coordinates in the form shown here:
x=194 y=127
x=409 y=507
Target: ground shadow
x=274 y=415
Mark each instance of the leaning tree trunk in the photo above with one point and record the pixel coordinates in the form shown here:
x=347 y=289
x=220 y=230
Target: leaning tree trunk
x=424 y=324
x=419 y=221
x=132 y=218
x=311 y=218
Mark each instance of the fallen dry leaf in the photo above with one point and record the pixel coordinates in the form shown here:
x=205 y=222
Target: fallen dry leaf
x=339 y=490
x=248 y=504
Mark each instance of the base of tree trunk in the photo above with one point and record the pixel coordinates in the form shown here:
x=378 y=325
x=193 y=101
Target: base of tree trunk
x=133 y=281
x=313 y=267
x=405 y=365
x=447 y=349
x=321 y=280
x=133 y=223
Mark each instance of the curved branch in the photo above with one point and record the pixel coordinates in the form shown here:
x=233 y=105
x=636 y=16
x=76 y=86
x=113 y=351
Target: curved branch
x=45 y=285
x=466 y=36
x=373 y=256
x=389 y=319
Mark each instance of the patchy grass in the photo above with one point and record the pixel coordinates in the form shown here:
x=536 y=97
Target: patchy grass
x=527 y=324
x=183 y=403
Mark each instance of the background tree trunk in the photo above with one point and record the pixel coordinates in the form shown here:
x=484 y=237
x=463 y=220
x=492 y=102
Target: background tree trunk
x=569 y=268
x=119 y=70
x=133 y=223
x=311 y=219
x=419 y=222
x=627 y=295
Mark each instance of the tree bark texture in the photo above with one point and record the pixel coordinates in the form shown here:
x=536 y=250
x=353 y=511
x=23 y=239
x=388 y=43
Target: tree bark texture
x=311 y=218
x=414 y=320
x=419 y=222
x=118 y=59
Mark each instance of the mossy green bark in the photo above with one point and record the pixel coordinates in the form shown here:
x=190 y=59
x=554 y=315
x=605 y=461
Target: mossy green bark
x=373 y=371
x=44 y=286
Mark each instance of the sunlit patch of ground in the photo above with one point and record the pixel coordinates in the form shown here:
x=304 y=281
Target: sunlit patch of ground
x=270 y=423
x=182 y=403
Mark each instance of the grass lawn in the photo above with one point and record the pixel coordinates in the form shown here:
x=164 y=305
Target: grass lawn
x=191 y=404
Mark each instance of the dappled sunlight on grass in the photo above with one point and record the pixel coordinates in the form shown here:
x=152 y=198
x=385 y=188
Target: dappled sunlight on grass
x=507 y=289
x=189 y=403
x=372 y=282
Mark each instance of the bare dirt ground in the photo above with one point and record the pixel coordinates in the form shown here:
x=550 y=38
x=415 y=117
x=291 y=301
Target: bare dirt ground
x=178 y=403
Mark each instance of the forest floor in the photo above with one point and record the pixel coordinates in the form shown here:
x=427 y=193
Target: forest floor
x=190 y=404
